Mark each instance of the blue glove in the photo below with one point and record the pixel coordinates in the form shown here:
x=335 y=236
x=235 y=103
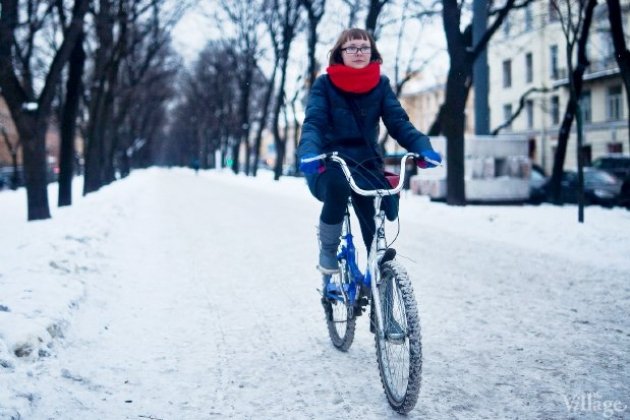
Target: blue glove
x=312 y=167
x=431 y=155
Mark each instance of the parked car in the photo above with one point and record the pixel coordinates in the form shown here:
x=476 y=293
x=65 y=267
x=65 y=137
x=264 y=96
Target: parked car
x=600 y=187
x=618 y=165
x=537 y=182
x=624 y=195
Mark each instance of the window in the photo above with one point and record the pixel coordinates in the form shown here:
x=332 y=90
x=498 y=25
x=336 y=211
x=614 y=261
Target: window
x=606 y=49
x=507 y=115
x=615 y=148
x=553 y=60
x=507 y=73
x=529 y=18
x=506 y=26
x=555 y=110
x=529 y=109
x=613 y=103
x=585 y=105
x=529 y=68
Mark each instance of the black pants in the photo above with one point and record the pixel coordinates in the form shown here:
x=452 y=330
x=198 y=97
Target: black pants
x=332 y=188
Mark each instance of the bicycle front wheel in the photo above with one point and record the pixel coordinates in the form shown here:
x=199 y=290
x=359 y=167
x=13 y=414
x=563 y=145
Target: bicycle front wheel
x=399 y=348
x=340 y=317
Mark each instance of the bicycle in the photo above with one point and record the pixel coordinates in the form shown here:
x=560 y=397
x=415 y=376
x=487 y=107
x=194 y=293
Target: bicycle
x=386 y=288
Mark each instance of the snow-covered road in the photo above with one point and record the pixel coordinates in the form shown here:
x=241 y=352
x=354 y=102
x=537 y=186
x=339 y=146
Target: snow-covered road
x=199 y=301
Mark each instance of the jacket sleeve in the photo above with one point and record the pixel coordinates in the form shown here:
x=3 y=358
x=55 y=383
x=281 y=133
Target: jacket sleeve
x=315 y=120
x=398 y=125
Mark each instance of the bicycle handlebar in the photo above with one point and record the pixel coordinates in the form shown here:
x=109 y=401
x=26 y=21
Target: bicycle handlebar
x=334 y=156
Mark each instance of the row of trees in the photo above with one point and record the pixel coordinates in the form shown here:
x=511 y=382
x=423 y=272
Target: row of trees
x=103 y=69
x=106 y=69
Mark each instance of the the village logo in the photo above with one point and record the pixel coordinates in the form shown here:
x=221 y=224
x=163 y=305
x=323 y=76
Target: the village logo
x=592 y=402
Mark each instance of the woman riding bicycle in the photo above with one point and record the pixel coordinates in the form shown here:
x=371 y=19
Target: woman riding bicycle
x=342 y=114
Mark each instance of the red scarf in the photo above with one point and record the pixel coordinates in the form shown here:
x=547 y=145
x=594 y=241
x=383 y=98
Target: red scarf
x=354 y=80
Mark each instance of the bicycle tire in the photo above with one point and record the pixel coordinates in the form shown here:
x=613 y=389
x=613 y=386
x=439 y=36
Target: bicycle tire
x=340 y=317
x=401 y=379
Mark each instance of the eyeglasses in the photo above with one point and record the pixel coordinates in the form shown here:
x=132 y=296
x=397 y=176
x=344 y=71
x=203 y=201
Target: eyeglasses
x=354 y=50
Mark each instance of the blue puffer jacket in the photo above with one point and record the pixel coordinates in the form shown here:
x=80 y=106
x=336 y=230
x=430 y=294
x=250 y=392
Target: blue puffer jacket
x=330 y=124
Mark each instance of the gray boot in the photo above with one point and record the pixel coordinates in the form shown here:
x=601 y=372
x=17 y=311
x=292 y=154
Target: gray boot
x=329 y=238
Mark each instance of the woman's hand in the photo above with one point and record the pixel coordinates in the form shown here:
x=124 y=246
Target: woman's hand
x=429 y=159
x=309 y=166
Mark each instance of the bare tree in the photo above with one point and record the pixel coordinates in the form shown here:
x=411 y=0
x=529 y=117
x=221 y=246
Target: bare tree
x=13 y=151
x=264 y=112
x=575 y=19
x=354 y=6
x=451 y=117
x=622 y=54
x=283 y=21
x=314 y=11
x=406 y=68
x=209 y=116
x=68 y=120
x=374 y=10
x=128 y=33
x=29 y=110
x=248 y=18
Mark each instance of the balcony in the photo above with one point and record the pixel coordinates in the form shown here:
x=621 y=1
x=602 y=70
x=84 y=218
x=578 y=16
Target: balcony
x=597 y=69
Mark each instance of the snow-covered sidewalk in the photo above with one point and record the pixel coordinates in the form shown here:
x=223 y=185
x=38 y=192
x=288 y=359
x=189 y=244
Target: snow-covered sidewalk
x=171 y=295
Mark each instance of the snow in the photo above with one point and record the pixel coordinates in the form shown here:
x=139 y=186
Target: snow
x=175 y=295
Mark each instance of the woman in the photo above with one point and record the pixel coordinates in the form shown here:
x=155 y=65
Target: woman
x=342 y=114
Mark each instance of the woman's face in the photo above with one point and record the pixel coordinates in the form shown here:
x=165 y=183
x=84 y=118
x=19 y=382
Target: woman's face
x=358 y=55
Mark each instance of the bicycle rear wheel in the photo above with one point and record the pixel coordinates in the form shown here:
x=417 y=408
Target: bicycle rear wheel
x=399 y=348
x=340 y=317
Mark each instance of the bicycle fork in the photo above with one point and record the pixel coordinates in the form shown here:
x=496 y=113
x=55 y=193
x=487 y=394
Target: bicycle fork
x=377 y=250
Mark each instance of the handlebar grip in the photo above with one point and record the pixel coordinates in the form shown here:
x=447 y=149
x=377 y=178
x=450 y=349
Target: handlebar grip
x=314 y=158
x=432 y=162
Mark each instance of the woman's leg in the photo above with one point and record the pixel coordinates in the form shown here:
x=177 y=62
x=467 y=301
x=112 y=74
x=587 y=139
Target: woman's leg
x=364 y=209
x=330 y=187
x=333 y=190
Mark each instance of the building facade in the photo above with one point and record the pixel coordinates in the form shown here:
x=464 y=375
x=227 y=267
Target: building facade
x=529 y=54
x=7 y=128
x=52 y=144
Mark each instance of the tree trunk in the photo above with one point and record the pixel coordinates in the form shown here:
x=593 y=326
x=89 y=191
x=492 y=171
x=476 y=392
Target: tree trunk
x=576 y=78
x=32 y=131
x=104 y=22
x=279 y=141
x=74 y=88
x=622 y=54
x=245 y=84
x=453 y=128
x=32 y=124
x=452 y=120
x=263 y=118
x=374 y=10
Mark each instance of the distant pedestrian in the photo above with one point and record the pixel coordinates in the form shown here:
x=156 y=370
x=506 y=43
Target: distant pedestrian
x=195 y=165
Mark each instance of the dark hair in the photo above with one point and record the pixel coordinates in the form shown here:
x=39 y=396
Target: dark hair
x=350 y=34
